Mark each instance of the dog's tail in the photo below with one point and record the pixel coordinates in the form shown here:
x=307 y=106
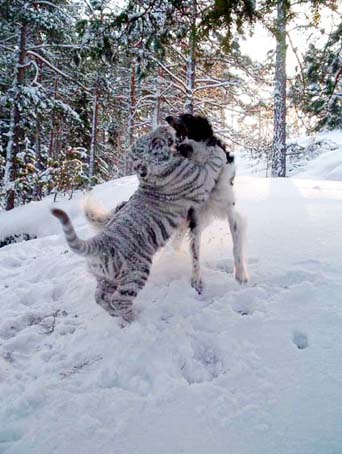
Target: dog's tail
x=82 y=247
x=96 y=214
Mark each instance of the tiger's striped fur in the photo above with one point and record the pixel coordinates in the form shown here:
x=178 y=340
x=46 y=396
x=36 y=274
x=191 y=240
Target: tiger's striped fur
x=120 y=256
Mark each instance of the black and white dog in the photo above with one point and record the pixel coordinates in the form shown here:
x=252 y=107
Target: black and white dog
x=221 y=203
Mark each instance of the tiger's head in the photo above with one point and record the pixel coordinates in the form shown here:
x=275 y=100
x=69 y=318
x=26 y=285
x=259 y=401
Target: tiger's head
x=153 y=153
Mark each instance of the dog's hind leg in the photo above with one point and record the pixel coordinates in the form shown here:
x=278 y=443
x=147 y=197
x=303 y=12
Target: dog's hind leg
x=195 y=240
x=238 y=230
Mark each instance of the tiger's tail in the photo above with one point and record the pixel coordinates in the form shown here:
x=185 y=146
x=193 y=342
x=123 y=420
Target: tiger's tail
x=82 y=247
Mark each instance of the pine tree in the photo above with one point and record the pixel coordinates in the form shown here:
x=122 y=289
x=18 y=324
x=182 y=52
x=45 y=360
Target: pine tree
x=318 y=88
x=279 y=137
x=31 y=30
x=285 y=12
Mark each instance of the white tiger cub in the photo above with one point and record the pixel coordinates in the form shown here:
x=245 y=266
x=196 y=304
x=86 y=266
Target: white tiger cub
x=120 y=256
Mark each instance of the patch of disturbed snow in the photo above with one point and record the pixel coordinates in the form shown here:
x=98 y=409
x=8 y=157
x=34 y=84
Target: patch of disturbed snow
x=242 y=369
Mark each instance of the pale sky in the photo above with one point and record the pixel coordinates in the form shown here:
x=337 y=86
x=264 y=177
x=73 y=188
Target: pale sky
x=262 y=41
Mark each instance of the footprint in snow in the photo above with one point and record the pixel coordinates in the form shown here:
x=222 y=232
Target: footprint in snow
x=249 y=300
x=11 y=262
x=300 y=339
x=205 y=363
x=243 y=309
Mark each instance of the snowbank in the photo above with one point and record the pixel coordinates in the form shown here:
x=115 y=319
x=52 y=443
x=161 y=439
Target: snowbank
x=327 y=166
x=321 y=158
x=36 y=220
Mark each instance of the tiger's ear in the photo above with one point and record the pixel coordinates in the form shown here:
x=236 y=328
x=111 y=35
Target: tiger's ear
x=185 y=150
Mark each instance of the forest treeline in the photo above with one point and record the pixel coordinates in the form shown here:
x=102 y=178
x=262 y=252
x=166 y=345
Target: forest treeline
x=79 y=81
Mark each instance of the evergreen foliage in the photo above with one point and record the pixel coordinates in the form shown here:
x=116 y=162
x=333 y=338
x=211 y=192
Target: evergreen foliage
x=318 y=90
x=79 y=82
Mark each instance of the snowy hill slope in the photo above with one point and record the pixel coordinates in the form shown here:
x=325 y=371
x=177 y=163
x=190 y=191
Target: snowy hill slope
x=320 y=158
x=249 y=369
x=328 y=164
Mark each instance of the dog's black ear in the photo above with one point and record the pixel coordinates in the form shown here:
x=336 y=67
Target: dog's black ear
x=177 y=125
x=170 y=120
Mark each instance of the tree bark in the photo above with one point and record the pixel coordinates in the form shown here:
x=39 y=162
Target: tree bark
x=131 y=114
x=15 y=133
x=52 y=133
x=191 y=63
x=132 y=105
x=157 y=102
x=279 y=137
x=93 y=142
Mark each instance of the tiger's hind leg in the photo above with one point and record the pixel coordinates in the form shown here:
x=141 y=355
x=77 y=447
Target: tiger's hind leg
x=237 y=227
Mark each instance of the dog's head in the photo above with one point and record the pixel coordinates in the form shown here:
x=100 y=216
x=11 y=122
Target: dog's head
x=153 y=153
x=190 y=126
x=198 y=129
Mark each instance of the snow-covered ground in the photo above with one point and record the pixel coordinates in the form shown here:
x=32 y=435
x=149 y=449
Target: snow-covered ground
x=252 y=369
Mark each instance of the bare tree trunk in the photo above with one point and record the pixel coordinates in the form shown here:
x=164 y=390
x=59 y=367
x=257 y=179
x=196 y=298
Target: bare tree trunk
x=157 y=102
x=191 y=63
x=15 y=133
x=279 y=138
x=38 y=141
x=52 y=133
x=130 y=129
x=93 y=141
x=132 y=105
